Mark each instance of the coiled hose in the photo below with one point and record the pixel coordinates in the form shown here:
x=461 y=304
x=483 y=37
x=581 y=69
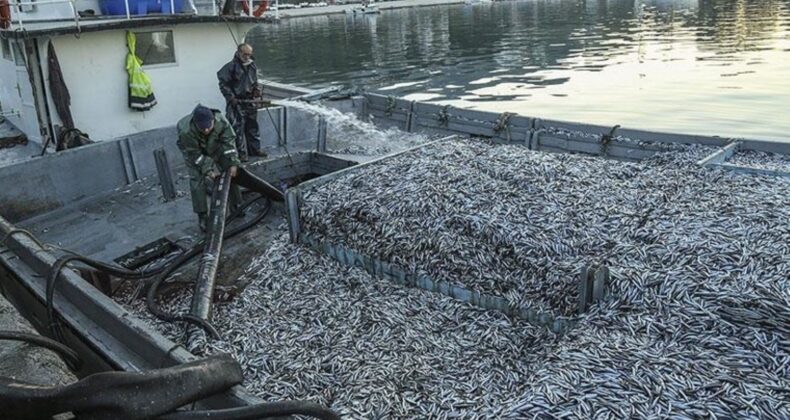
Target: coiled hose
x=161 y=274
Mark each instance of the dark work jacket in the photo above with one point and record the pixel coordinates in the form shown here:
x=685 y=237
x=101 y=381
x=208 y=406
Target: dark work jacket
x=236 y=80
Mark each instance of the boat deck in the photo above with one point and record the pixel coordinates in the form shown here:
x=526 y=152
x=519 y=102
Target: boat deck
x=14 y=145
x=114 y=224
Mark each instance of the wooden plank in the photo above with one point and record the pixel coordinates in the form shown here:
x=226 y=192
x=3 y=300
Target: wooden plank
x=570 y=145
x=752 y=171
x=410 y=118
x=478 y=123
x=629 y=153
x=766 y=146
x=292 y=204
x=643 y=135
x=585 y=288
x=721 y=155
x=398 y=117
x=165 y=174
x=597 y=138
x=429 y=122
x=383 y=103
x=573 y=126
x=322 y=129
x=398 y=109
x=659 y=137
x=424 y=108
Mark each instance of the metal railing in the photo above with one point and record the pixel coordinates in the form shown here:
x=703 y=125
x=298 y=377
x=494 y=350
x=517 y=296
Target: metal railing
x=20 y=17
x=17 y=17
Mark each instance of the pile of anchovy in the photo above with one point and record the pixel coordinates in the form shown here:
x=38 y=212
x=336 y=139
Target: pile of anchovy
x=307 y=328
x=761 y=160
x=696 y=323
x=497 y=219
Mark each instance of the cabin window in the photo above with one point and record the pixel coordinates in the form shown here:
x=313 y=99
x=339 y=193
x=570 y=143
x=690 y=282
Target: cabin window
x=6 y=46
x=156 y=47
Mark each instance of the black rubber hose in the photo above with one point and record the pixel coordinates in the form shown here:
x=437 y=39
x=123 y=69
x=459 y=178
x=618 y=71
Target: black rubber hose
x=150 y=299
x=163 y=272
x=192 y=252
x=260 y=411
x=54 y=324
x=67 y=354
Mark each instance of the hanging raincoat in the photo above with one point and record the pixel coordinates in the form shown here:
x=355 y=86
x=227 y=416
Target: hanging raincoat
x=141 y=93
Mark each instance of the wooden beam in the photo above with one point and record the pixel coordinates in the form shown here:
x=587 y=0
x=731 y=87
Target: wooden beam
x=753 y=171
x=721 y=155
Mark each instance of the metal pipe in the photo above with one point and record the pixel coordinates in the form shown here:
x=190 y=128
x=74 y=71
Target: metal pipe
x=207 y=273
x=126 y=3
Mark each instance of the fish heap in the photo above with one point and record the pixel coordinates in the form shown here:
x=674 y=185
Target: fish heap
x=696 y=323
x=499 y=220
x=761 y=160
x=307 y=328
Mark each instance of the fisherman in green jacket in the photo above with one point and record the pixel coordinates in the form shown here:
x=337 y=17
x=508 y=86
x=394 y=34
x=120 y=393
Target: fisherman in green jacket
x=207 y=141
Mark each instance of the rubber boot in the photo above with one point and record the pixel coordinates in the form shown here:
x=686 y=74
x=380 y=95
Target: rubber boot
x=202 y=221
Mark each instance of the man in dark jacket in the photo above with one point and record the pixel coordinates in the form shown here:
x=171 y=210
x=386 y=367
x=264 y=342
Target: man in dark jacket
x=238 y=82
x=208 y=143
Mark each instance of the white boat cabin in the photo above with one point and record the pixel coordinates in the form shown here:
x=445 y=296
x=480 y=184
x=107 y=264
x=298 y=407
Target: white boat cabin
x=180 y=52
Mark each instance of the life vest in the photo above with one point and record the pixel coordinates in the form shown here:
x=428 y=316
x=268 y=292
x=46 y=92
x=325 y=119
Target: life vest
x=141 y=92
x=259 y=11
x=5 y=14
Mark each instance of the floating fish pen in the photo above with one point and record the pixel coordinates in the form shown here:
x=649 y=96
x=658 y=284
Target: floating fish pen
x=384 y=299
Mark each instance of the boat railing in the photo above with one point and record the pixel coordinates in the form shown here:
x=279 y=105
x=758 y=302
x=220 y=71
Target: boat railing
x=28 y=9
x=25 y=12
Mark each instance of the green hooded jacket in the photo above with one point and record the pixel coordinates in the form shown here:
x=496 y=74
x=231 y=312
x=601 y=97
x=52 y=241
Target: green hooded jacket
x=202 y=152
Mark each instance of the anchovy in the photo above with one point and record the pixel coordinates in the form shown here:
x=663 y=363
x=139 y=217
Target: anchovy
x=696 y=322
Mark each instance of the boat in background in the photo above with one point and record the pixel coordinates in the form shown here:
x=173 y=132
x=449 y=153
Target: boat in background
x=364 y=9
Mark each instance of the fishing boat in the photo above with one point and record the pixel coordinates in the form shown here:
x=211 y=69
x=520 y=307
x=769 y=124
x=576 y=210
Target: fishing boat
x=115 y=198
x=364 y=9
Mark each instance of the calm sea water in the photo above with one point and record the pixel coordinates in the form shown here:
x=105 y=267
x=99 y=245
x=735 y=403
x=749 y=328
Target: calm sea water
x=719 y=67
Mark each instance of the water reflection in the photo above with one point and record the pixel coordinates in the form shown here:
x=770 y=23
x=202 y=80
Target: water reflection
x=708 y=66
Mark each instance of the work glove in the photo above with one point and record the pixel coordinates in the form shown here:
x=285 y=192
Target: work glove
x=211 y=175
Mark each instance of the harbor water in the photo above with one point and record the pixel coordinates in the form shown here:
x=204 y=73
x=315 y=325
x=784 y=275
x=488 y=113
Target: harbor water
x=715 y=67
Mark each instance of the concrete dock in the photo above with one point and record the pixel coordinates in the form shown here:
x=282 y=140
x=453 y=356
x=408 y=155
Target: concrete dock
x=341 y=8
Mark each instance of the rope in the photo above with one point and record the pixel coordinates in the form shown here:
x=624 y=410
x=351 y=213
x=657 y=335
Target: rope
x=390 y=106
x=444 y=116
x=503 y=123
x=607 y=138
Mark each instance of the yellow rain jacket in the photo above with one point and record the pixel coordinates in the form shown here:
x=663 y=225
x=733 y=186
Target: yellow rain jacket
x=141 y=92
